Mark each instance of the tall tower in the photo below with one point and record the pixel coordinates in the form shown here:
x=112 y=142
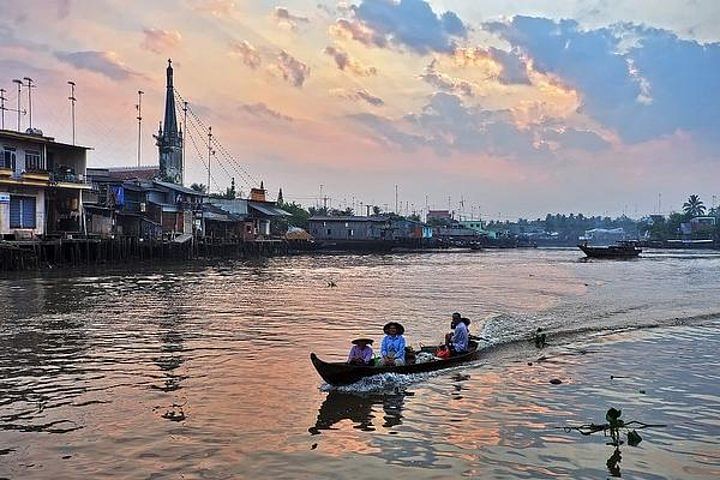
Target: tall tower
x=169 y=139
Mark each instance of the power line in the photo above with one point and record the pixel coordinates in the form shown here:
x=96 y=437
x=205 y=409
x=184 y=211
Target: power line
x=249 y=180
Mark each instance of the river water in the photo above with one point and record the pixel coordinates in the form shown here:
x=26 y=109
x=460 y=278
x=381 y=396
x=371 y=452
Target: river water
x=202 y=371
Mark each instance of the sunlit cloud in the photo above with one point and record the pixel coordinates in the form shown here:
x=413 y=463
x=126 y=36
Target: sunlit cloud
x=291 y=69
x=358 y=95
x=263 y=111
x=216 y=8
x=247 y=53
x=160 y=41
x=286 y=19
x=104 y=63
x=345 y=62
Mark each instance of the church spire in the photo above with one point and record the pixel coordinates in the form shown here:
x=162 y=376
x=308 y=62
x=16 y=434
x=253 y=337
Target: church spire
x=171 y=128
x=169 y=139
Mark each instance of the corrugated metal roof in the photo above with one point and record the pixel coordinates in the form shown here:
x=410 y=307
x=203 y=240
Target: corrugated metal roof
x=269 y=210
x=349 y=219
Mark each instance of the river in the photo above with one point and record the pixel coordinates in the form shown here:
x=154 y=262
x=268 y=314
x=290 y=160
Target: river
x=202 y=371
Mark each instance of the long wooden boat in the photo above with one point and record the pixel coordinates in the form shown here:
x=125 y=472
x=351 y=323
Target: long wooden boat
x=341 y=373
x=623 y=250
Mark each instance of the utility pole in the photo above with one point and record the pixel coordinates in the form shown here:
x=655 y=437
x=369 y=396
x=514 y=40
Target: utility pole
x=19 y=87
x=30 y=86
x=185 y=132
x=210 y=152
x=72 y=107
x=2 y=108
x=139 y=119
x=396 y=200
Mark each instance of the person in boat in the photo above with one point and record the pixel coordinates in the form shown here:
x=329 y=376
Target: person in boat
x=457 y=341
x=361 y=352
x=392 y=348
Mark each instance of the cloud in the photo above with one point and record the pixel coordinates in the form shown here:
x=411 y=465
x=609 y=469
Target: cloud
x=445 y=82
x=291 y=69
x=263 y=111
x=358 y=95
x=447 y=125
x=653 y=86
x=344 y=61
x=216 y=8
x=408 y=23
x=354 y=30
x=284 y=18
x=102 y=62
x=247 y=53
x=159 y=41
x=385 y=131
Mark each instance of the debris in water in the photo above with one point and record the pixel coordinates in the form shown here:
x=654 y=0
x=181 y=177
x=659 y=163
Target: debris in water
x=313 y=446
x=556 y=381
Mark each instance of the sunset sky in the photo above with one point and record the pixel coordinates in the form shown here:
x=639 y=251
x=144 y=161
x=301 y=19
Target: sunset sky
x=518 y=108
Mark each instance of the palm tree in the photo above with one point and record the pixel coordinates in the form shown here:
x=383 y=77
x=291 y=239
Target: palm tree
x=694 y=206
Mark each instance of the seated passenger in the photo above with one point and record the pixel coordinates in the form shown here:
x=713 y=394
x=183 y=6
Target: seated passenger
x=361 y=353
x=457 y=341
x=392 y=348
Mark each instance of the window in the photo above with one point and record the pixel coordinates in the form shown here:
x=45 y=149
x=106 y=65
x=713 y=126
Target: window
x=22 y=212
x=7 y=158
x=329 y=231
x=33 y=160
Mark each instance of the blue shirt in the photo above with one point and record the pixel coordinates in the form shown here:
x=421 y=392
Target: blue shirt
x=460 y=337
x=394 y=345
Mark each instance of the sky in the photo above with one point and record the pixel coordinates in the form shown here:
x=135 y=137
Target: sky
x=502 y=109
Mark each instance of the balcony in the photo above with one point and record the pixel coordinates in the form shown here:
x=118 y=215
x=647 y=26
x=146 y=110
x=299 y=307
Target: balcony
x=5 y=171
x=36 y=175
x=67 y=176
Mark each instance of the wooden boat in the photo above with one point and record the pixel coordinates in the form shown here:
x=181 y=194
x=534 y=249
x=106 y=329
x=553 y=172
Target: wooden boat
x=341 y=373
x=621 y=250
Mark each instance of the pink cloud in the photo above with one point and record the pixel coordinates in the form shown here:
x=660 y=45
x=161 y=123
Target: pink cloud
x=247 y=53
x=159 y=41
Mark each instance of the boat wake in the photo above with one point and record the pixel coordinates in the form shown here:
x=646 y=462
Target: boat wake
x=393 y=383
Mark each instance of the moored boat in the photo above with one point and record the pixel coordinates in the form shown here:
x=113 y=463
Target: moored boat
x=620 y=250
x=342 y=373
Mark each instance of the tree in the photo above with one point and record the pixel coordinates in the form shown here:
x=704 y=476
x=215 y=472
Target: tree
x=198 y=187
x=299 y=216
x=694 y=206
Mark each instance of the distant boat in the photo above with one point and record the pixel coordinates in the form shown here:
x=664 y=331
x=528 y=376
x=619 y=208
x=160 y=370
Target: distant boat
x=620 y=250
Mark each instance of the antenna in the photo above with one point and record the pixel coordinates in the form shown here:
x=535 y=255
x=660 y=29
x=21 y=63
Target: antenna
x=210 y=153
x=30 y=86
x=19 y=87
x=139 y=119
x=72 y=107
x=2 y=108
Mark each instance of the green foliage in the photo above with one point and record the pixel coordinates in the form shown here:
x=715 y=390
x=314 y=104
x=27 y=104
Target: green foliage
x=694 y=207
x=299 y=216
x=199 y=187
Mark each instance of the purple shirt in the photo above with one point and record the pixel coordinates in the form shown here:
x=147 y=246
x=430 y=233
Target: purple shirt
x=357 y=353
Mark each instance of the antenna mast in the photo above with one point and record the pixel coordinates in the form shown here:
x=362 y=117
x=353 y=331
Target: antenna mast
x=72 y=107
x=30 y=86
x=19 y=87
x=139 y=119
x=2 y=108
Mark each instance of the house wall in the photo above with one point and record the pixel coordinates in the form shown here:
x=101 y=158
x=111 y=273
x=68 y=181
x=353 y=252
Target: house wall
x=346 y=230
x=38 y=194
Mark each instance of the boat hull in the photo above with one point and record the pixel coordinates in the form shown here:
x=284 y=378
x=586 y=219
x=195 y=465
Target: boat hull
x=340 y=373
x=610 y=252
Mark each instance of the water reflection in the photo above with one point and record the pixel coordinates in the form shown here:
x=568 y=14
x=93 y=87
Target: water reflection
x=358 y=408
